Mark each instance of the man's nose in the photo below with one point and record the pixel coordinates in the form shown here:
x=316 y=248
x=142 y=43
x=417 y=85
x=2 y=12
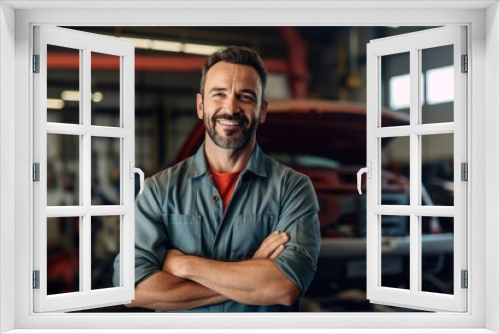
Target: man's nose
x=231 y=104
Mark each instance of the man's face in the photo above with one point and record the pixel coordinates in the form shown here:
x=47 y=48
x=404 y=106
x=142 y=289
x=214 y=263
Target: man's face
x=231 y=107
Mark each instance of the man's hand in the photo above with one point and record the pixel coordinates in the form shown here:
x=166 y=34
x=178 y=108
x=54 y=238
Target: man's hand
x=272 y=246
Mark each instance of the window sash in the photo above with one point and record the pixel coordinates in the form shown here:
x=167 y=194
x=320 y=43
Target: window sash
x=86 y=43
x=413 y=43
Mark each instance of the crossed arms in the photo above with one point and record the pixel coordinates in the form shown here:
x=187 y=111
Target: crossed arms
x=187 y=281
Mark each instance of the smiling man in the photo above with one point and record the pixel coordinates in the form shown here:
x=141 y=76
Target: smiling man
x=228 y=229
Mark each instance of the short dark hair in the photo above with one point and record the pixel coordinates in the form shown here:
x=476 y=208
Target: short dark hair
x=239 y=55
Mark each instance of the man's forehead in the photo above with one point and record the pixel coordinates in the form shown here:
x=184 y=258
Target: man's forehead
x=229 y=71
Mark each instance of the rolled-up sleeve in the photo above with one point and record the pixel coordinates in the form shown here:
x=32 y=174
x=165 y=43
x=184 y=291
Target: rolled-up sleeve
x=150 y=237
x=299 y=218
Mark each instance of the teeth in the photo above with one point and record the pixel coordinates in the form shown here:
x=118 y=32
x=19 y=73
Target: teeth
x=227 y=122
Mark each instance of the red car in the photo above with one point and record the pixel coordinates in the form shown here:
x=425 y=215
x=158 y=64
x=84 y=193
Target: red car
x=326 y=141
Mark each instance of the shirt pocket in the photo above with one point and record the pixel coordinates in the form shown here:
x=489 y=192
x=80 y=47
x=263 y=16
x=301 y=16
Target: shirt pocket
x=248 y=232
x=183 y=233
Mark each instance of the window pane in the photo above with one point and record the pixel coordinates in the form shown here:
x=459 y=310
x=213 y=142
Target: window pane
x=437 y=64
x=105 y=247
x=437 y=254
x=63 y=85
x=63 y=170
x=395 y=182
x=395 y=248
x=437 y=170
x=63 y=255
x=395 y=84
x=105 y=89
x=105 y=171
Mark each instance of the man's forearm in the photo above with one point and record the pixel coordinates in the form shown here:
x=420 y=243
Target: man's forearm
x=254 y=282
x=163 y=291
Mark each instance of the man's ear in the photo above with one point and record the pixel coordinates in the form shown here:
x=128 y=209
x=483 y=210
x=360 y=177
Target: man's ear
x=199 y=105
x=263 y=111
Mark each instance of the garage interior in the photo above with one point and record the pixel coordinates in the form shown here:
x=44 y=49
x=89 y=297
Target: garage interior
x=304 y=63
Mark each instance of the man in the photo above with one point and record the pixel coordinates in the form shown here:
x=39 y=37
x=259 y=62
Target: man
x=228 y=229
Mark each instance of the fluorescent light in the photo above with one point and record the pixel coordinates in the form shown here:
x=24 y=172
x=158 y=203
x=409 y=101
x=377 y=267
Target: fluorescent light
x=74 y=95
x=166 y=46
x=440 y=85
x=55 y=104
x=200 y=49
x=171 y=46
x=97 y=97
x=141 y=43
x=70 y=95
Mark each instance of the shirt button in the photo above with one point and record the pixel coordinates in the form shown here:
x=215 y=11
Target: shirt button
x=215 y=198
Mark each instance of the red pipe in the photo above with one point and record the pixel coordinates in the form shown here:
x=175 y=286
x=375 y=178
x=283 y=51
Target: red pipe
x=66 y=61
x=296 y=56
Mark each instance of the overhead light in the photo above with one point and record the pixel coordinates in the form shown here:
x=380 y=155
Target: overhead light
x=97 y=97
x=70 y=95
x=74 y=95
x=200 y=49
x=140 y=43
x=171 y=46
x=55 y=104
x=166 y=46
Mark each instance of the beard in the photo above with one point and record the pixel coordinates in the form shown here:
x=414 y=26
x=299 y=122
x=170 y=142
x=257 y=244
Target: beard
x=231 y=139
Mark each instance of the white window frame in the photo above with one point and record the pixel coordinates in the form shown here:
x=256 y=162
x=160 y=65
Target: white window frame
x=483 y=20
x=85 y=44
x=413 y=44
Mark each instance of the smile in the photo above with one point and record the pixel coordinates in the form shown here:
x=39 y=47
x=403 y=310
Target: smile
x=228 y=122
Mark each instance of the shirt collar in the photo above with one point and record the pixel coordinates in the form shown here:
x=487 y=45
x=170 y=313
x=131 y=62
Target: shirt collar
x=199 y=164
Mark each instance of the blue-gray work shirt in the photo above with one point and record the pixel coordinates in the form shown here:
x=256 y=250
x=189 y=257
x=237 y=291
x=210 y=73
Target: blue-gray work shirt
x=181 y=208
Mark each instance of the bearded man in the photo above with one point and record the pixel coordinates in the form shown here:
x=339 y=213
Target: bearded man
x=229 y=229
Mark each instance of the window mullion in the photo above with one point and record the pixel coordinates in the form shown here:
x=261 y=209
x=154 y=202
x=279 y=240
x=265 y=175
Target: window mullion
x=415 y=105
x=86 y=167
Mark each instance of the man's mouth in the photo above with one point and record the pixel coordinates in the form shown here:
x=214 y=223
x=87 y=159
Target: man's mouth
x=228 y=122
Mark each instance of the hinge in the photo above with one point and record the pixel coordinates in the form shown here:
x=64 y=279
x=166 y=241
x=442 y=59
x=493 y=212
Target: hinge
x=465 y=64
x=464 y=279
x=36 y=279
x=464 y=168
x=36 y=63
x=36 y=172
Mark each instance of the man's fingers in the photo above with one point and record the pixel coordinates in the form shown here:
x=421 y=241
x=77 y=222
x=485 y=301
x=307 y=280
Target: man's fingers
x=274 y=240
x=278 y=251
x=271 y=244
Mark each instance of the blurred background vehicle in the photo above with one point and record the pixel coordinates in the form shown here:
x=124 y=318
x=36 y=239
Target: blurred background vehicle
x=316 y=124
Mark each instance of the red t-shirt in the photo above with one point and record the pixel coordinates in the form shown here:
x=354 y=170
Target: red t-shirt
x=225 y=183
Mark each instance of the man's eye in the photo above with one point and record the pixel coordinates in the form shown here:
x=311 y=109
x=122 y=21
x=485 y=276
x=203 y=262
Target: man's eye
x=246 y=97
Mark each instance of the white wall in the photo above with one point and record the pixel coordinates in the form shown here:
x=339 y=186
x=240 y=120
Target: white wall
x=492 y=157
x=22 y=138
x=7 y=163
